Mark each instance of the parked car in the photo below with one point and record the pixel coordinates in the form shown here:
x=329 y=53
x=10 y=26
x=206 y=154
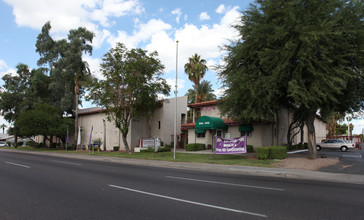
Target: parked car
x=3 y=144
x=343 y=145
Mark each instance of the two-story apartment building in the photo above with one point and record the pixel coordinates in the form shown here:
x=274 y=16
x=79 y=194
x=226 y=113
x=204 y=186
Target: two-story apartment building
x=267 y=133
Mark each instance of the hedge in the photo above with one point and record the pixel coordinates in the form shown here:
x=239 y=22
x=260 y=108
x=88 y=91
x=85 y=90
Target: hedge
x=277 y=152
x=195 y=147
x=263 y=153
x=273 y=152
x=249 y=149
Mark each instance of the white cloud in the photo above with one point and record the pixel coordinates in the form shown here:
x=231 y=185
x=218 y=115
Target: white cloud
x=204 y=16
x=203 y=40
x=65 y=16
x=73 y=14
x=3 y=65
x=94 y=65
x=114 y=8
x=220 y=9
x=5 y=69
x=172 y=84
x=177 y=12
x=220 y=92
x=143 y=32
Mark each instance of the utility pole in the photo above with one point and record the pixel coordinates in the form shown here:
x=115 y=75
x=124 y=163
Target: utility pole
x=175 y=112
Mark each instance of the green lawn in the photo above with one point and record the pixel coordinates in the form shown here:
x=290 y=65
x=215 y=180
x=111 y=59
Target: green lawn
x=168 y=156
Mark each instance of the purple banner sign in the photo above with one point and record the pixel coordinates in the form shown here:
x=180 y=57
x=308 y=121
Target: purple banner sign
x=230 y=146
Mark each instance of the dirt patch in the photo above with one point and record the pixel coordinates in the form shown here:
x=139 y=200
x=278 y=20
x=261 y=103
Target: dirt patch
x=306 y=164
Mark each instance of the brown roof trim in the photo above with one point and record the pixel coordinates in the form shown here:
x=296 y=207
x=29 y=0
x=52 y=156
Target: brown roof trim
x=86 y=112
x=203 y=104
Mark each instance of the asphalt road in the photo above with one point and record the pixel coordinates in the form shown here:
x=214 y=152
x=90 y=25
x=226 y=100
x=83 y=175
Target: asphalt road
x=45 y=187
x=351 y=161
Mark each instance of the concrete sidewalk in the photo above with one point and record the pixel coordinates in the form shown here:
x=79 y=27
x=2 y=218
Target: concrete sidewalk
x=216 y=168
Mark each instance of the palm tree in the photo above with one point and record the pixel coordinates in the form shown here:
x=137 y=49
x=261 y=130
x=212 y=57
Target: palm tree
x=195 y=69
x=204 y=92
x=3 y=126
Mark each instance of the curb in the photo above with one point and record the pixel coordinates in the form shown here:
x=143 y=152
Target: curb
x=217 y=168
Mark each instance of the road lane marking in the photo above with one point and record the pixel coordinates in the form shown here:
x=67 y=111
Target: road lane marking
x=222 y=183
x=64 y=162
x=190 y=202
x=16 y=164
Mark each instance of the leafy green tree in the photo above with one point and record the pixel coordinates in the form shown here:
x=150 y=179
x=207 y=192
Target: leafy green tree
x=195 y=69
x=131 y=85
x=307 y=54
x=68 y=71
x=204 y=93
x=39 y=90
x=13 y=99
x=341 y=129
x=44 y=120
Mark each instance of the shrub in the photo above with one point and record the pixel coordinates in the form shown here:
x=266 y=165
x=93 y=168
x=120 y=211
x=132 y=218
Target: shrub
x=301 y=146
x=273 y=152
x=195 y=147
x=306 y=145
x=150 y=149
x=249 y=149
x=32 y=144
x=164 y=149
x=116 y=148
x=262 y=153
x=20 y=143
x=277 y=152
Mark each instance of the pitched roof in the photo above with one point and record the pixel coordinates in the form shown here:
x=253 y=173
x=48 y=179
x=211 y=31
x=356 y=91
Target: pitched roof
x=88 y=111
x=203 y=104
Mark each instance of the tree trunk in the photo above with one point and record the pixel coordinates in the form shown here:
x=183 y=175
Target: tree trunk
x=76 y=111
x=196 y=85
x=302 y=133
x=312 y=149
x=125 y=141
x=15 y=140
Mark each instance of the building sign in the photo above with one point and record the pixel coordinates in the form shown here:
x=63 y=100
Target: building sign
x=230 y=146
x=151 y=142
x=148 y=142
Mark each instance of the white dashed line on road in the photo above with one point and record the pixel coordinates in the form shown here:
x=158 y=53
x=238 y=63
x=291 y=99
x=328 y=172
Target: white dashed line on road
x=190 y=202
x=19 y=165
x=229 y=184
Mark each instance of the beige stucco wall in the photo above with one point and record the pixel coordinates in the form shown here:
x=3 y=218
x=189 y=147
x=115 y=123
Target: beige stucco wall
x=143 y=127
x=263 y=134
x=113 y=136
x=212 y=111
x=168 y=117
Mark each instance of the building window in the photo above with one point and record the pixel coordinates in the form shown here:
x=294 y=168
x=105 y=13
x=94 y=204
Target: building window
x=159 y=124
x=246 y=133
x=201 y=135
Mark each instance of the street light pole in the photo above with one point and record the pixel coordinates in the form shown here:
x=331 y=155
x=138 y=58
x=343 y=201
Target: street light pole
x=175 y=112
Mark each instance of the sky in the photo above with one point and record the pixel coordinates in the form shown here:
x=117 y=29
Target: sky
x=201 y=27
